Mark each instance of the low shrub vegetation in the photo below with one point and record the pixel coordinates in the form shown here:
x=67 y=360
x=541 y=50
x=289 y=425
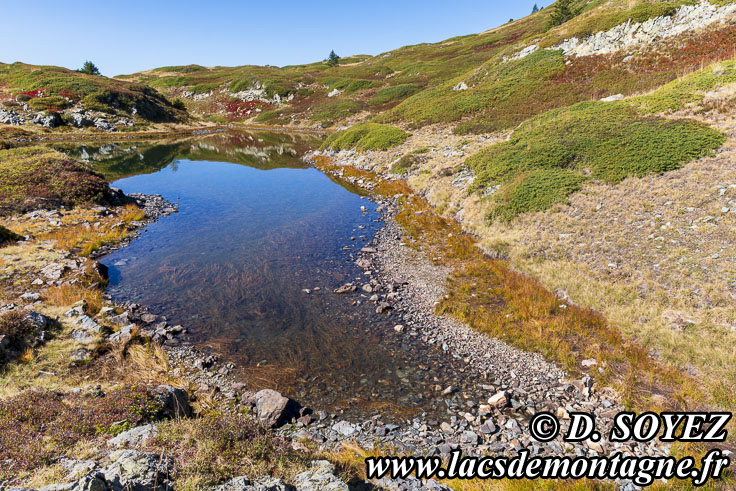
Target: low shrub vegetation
x=32 y=177
x=50 y=87
x=407 y=162
x=40 y=426
x=366 y=136
x=548 y=158
x=335 y=110
x=394 y=93
x=7 y=235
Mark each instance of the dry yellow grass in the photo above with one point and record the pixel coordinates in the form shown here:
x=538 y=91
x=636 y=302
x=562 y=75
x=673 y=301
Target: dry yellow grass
x=69 y=294
x=85 y=239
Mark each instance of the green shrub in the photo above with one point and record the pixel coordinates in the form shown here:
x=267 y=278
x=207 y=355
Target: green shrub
x=7 y=236
x=408 y=162
x=548 y=157
x=179 y=104
x=366 y=136
x=349 y=85
x=536 y=191
x=394 y=93
x=52 y=102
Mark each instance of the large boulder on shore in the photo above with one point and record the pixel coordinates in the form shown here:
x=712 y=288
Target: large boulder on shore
x=271 y=407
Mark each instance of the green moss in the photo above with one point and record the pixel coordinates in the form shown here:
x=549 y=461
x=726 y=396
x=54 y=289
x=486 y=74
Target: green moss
x=366 y=136
x=548 y=157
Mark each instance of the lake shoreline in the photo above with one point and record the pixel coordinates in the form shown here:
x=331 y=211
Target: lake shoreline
x=490 y=419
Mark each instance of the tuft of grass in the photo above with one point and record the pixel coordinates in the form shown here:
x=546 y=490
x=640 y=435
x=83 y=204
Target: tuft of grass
x=217 y=447
x=69 y=294
x=548 y=157
x=366 y=136
x=86 y=240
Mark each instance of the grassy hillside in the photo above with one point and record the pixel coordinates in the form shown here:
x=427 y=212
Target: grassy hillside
x=50 y=88
x=414 y=85
x=32 y=178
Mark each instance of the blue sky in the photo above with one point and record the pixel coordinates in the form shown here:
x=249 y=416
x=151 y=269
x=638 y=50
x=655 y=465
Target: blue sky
x=129 y=36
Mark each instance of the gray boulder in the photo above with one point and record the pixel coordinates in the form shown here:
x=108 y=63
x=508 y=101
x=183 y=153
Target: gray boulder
x=320 y=476
x=80 y=120
x=103 y=124
x=89 y=324
x=131 y=470
x=49 y=120
x=133 y=437
x=38 y=321
x=270 y=407
x=10 y=117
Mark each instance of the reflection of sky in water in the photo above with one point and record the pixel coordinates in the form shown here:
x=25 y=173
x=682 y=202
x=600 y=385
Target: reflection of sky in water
x=231 y=267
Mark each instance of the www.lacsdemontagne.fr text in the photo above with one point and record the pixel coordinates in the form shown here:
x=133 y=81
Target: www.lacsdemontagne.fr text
x=642 y=471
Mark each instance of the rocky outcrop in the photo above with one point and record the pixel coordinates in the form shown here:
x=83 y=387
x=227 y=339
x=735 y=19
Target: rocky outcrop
x=48 y=120
x=632 y=35
x=11 y=117
x=129 y=470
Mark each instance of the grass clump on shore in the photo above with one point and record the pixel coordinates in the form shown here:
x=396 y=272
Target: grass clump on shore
x=216 y=447
x=33 y=177
x=366 y=136
x=548 y=158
